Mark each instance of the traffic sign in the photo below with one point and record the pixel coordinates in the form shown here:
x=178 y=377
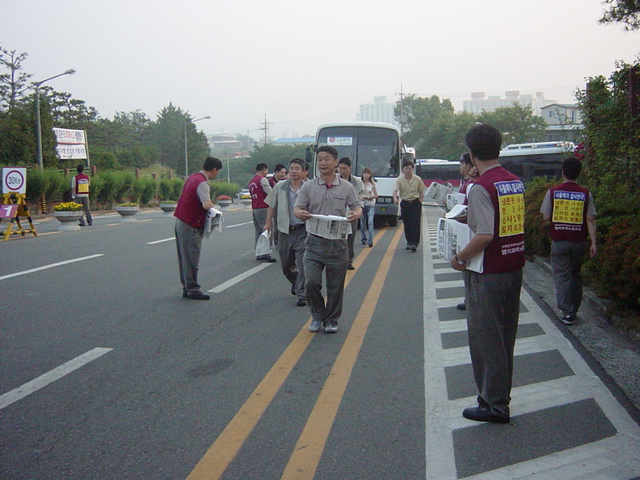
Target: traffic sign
x=14 y=180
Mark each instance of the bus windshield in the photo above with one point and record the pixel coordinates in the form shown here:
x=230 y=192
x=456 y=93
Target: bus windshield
x=375 y=147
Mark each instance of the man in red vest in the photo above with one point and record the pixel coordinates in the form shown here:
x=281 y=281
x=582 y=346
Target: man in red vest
x=492 y=290
x=259 y=188
x=191 y=211
x=572 y=213
x=80 y=191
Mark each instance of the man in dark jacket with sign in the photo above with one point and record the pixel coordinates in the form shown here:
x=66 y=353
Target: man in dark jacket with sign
x=191 y=211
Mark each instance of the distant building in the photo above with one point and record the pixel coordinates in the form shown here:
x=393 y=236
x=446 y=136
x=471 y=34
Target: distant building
x=480 y=102
x=294 y=141
x=564 y=122
x=225 y=145
x=378 y=111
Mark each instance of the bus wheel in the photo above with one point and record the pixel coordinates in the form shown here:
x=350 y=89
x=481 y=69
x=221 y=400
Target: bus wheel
x=393 y=220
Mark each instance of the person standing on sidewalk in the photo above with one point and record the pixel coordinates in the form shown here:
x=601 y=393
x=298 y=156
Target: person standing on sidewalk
x=292 y=230
x=572 y=213
x=80 y=190
x=191 y=211
x=409 y=192
x=344 y=168
x=327 y=194
x=492 y=293
x=259 y=188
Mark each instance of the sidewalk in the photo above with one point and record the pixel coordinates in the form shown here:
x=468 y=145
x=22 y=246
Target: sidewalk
x=617 y=355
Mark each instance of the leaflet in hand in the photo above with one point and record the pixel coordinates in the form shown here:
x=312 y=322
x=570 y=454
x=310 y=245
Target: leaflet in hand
x=332 y=227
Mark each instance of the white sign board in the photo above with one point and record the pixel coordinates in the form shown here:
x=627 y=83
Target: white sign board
x=71 y=152
x=14 y=180
x=340 y=141
x=67 y=136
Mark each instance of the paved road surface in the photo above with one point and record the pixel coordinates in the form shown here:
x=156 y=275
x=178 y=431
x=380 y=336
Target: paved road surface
x=107 y=373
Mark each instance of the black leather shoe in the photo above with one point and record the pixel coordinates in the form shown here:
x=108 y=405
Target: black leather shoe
x=461 y=306
x=302 y=302
x=483 y=413
x=350 y=267
x=197 y=296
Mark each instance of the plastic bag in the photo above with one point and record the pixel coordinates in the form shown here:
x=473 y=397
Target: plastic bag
x=263 y=245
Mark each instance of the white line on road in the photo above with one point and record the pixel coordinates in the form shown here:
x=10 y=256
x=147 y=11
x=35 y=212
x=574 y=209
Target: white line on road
x=160 y=241
x=45 y=267
x=51 y=376
x=239 y=278
x=238 y=224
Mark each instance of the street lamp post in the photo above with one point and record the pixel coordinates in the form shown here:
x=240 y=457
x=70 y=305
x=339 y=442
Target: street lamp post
x=186 y=149
x=71 y=71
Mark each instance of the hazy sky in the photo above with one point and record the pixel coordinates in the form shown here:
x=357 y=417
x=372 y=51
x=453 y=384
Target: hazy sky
x=307 y=63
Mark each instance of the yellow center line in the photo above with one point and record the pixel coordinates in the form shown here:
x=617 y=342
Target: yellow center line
x=216 y=460
x=307 y=452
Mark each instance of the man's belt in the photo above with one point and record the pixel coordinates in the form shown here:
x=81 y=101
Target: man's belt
x=296 y=227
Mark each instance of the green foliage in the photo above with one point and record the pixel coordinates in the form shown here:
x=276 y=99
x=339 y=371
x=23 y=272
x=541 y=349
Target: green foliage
x=611 y=170
x=106 y=187
x=35 y=184
x=536 y=230
x=517 y=124
x=144 y=189
x=223 y=188
x=623 y=11
x=433 y=128
x=618 y=264
x=169 y=189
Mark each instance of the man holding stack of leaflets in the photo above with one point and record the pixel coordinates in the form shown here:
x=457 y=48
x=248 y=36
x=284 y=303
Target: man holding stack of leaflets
x=326 y=194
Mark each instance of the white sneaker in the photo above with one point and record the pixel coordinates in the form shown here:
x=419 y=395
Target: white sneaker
x=315 y=325
x=331 y=328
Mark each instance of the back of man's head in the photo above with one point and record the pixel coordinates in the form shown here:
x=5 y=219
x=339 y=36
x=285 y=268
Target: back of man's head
x=80 y=168
x=212 y=163
x=571 y=168
x=261 y=166
x=484 y=142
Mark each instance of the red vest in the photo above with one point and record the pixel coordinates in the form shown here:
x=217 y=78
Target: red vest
x=82 y=184
x=505 y=253
x=257 y=193
x=189 y=208
x=569 y=204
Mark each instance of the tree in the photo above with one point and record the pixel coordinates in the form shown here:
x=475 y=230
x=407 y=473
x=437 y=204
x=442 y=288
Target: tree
x=623 y=11
x=168 y=135
x=517 y=124
x=13 y=83
x=419 y=117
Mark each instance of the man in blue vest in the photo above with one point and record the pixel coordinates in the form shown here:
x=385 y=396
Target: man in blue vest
x=191 y=211
x=572 y=213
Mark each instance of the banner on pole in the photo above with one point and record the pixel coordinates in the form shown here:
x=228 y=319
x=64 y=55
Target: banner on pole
x=72 y=144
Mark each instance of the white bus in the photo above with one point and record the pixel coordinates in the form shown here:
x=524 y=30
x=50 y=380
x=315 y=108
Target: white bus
x=531 y=160
x=368 y=144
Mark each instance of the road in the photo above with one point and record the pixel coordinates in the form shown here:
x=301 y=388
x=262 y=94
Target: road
x=106 y=372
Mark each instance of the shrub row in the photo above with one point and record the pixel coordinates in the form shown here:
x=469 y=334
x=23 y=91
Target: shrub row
x=112 y=187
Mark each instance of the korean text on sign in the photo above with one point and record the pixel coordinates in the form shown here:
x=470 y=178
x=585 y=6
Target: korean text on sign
x=511 y=205
x=568 y=207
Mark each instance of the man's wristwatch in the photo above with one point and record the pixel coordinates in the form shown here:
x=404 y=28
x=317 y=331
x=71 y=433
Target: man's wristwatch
x=460 y=262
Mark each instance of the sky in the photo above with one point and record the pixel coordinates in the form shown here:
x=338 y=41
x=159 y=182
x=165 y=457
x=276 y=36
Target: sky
x=301 y=64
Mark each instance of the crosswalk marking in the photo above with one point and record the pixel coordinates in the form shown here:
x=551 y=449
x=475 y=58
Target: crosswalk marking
x=612 y=457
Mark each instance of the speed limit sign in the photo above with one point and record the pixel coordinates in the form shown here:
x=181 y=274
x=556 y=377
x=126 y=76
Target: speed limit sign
x=14 y=180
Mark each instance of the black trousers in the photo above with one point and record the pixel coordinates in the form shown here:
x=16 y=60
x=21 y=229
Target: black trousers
x=411 y=215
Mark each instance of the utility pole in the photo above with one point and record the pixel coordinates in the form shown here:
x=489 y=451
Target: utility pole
x=265 y=127
x=403 y=117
